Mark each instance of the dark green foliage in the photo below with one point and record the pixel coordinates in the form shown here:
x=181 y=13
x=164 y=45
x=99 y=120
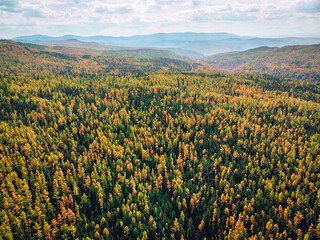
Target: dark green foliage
x=153 y=156
x=220 y=155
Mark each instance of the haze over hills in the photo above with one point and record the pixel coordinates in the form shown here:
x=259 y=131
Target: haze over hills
x=15 y=58
x=130 y=51
x=300 y=62
x=189 y=36
x=200 y=43
x=75 y=47
x=77 y=43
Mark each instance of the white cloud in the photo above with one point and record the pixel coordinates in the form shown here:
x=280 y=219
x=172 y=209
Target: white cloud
x=120 y=17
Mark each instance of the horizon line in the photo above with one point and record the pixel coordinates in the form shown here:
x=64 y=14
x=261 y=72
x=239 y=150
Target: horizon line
x=135 y=35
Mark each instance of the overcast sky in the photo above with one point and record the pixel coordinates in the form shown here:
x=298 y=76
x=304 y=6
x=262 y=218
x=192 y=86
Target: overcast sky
x=131 y=17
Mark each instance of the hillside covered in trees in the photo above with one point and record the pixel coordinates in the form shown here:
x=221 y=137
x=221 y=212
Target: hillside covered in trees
x=86 y=153
x=20 y=58
x=296 y=62
x=74 y=47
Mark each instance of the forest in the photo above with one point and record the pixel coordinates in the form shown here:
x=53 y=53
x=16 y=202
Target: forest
x=115 y=148
x=74 y=47
x=17 y=58
x=301 y=62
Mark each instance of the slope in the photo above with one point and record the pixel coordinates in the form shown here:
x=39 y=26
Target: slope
x=179 y=155
x=297 y=62
x=14 y=56
x=77 y=47
x=77 y=44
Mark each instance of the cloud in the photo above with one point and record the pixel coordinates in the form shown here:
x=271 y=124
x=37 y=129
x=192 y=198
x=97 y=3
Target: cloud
x=237 y=17
x=253 y=10
x=114 y=10
x=127 y=17
x=226 y=13
x=281 y=17
x=31 y=13
x=9 y=5
x=225 y=17
x=201 y=18
x=308 y=7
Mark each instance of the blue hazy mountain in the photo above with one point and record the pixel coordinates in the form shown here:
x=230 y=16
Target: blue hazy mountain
x=191 y=36
x=198 y=43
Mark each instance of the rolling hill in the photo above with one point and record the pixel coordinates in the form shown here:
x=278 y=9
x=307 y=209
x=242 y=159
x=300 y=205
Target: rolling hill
x=87 y=153
x=76 y=43
x=14 y=56
x=200 y=43
x=95 y=147
x=76 y=47
x=296 y=62
x=188 y=36
x=299 y=62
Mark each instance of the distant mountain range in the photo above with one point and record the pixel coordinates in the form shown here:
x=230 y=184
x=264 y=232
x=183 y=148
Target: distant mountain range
x=189 y=44
x=188 y=36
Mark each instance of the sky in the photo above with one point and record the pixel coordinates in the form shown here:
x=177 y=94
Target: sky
x=267 y=18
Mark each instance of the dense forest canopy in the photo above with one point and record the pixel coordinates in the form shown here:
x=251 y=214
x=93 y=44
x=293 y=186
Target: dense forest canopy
x=164 y=155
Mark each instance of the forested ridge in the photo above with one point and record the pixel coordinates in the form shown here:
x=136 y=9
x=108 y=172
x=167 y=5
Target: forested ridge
x=27 y=58
x=74 y=47
x=156 y=155
x=295 y=62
